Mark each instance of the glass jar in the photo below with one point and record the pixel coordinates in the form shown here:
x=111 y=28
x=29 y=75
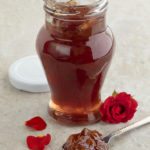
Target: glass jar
x=75 y=46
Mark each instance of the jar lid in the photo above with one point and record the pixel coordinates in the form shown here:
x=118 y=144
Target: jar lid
x=27 y=74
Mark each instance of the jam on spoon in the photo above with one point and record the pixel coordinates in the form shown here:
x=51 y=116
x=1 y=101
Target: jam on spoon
x=85 y=140
x=93 y=140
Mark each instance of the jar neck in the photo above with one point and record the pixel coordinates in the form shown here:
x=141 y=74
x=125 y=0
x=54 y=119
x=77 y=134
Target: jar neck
x=75 y=22
x=73 y=10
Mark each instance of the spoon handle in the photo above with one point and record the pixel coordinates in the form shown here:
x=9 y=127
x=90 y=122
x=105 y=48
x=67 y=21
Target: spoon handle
x=134 y=125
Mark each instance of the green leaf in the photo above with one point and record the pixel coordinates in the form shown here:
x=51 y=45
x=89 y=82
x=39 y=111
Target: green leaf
x=114 y=93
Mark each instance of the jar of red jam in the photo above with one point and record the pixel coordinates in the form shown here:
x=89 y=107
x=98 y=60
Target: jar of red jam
x=75 y=47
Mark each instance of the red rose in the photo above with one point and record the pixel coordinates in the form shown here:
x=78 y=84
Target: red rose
x=118 y=108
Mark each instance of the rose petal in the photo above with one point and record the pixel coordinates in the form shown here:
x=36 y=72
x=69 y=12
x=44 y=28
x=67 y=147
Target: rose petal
x=103 y=113
x=38 y=143
x=32 y=142
x=118 y=112
x=123 y=96
x=37 y=123
x=46 y=140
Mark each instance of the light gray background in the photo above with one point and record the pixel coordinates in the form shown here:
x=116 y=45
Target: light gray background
x=20 y=22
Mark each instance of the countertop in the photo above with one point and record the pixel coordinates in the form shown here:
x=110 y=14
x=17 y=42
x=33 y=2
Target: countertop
x=20 y=22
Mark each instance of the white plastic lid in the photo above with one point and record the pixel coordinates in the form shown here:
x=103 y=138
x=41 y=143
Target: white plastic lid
x=27 y=74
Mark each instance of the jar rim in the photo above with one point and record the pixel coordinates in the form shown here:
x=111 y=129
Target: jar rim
x=96 y=8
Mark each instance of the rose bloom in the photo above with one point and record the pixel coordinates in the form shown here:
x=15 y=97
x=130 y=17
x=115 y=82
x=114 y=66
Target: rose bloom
x=118 y=108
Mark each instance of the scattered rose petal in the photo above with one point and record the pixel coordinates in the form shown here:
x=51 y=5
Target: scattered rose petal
x=118 y=108
x=37 y=123
x=38 y=143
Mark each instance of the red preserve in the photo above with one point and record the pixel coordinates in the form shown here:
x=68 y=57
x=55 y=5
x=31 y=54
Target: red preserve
x=85 y=140
x=75 y=47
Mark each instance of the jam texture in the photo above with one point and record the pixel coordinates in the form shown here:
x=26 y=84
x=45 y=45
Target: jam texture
x=86 y=140
x=76 y=53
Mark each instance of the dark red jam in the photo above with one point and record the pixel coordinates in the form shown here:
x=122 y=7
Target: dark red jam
x=86 y=140
x=76 y=54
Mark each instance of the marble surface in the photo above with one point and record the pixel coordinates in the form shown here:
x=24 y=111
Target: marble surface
x=130 y=72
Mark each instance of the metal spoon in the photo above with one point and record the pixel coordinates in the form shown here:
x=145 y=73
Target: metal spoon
x=134 y=125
